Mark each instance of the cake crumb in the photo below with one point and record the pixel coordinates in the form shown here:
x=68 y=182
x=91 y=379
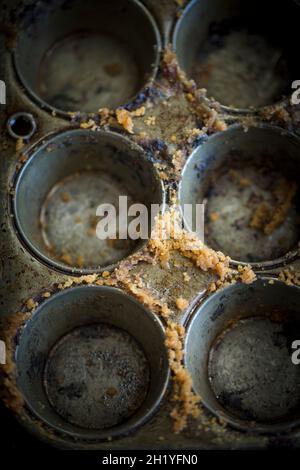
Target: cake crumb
x=65 y=197
x=178 y=160
x=190 y=97
x=139 y=112
x=90 y=124
x=289 y=277
x=66 y=258
x=247 y=275
x=30 y=304
x=214 y=216
x=261 y=214
x=268 y=219
x=286 y=195
x=220 y=125
x=186 y=401
x=186 y=277
x=46 y=295
x=124 y=119
x=181 y=303
x=150 y=121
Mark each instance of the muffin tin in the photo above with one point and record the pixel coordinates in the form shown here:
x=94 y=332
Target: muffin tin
x=114 y=377
x=61 y=157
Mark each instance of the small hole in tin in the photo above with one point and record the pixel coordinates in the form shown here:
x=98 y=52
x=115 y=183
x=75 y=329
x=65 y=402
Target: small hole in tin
x=21 y=125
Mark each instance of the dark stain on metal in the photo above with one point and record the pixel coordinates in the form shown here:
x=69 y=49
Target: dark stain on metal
x=97 y=376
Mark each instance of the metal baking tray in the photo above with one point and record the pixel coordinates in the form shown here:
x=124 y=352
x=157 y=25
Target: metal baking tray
x=167 y=103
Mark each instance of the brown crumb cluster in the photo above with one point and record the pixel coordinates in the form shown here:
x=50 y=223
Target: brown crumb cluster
x=210 y=117
x=169 y=236
x=10 y=392
x=246 y=274
x=103 y=118
x=66 y=258
x=268 y=218
x=290 y=277
x=214 y=216
x=285 y=195
x=90 y=124
x=186 y=401
x=181 y=303
x=65 y=197
x=162 y=171
x=260 y=215
x=178 y=160
x=136 y=286
x=276 y=114
x=124 y=117
x=186 y=277
x=46 y=295
x=31 y=304
x=150 y=121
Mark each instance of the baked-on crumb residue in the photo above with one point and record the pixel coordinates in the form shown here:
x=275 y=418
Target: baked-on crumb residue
x=181 y=303
x=9 y=392
x=267 y=217
x=260 y=215
x=183 y=396
x=290 y=277
x=209 y=116
x=285 y=195
x=246 y=274
x=124 y=117
x=168 y=235
x=186 y=401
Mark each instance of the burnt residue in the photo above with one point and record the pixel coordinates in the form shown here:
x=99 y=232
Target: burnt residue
x=149 y=94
